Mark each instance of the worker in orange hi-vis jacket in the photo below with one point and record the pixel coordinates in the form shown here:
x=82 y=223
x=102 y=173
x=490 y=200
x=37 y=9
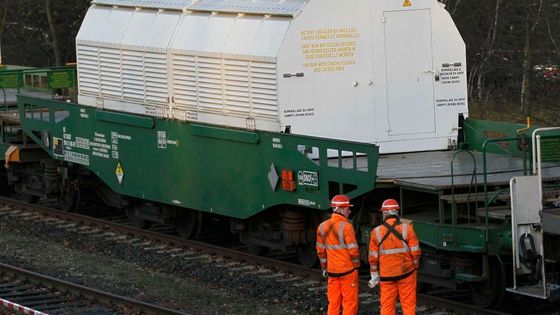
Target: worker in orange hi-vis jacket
x=338 y=253
x=394 y=255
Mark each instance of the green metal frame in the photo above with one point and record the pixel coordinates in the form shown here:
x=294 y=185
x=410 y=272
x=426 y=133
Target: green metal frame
x=56 y=78
x=473 y=180
x=473 y=237
x=215 y=169
x=464 y=238
x=494 y=137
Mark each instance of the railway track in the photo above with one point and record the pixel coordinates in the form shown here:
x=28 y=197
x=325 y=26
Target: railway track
x=22 y=296
x=32 y=293
x=162 y=243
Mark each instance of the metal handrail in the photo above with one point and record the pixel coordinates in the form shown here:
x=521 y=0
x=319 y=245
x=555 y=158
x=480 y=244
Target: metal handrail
x=485 y=173
x=473 y=178
x=534 y=147
x=5 y=100
x=537 y=156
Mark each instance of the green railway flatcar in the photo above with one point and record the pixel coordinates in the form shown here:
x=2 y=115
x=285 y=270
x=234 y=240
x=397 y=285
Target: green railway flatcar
x=256 y=113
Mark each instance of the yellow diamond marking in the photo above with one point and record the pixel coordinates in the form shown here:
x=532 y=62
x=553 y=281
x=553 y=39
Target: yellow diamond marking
x=119 y=171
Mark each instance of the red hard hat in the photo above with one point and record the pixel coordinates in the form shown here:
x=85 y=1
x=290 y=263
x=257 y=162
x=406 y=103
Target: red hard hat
x=390 y=205
x=340 y=201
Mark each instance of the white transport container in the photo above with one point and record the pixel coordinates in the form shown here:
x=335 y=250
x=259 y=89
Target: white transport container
x=390 y=72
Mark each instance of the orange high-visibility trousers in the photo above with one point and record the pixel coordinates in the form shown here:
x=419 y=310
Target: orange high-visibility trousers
x=343 y=291
x=405 y=289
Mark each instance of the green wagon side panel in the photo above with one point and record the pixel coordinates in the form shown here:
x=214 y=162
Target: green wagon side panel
x=463 y=239
x=478 y=131
x=469 y=239
x=23 y=77
x=215 y=169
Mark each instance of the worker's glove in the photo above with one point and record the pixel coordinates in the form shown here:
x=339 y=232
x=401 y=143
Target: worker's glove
x=374 y=280
x=325 y=273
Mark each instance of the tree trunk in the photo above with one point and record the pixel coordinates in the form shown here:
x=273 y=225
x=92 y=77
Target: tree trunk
x=479 y=94
x=54 y=36
x=478 y=71
x=527 y=64
x=455 y=7
x=528 y=60
x=452 y=10
x=3 y=14
x=551 y=37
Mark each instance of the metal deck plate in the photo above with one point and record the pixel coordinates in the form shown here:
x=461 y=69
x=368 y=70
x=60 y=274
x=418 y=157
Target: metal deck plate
x=11 y=95
x=10 y=117
x=533 y=291
x=551 y=221
x=432 y=170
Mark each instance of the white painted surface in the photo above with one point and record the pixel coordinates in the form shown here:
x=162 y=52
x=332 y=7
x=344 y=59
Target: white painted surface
x=378 y=72
x=410 y=72
x=525 y=208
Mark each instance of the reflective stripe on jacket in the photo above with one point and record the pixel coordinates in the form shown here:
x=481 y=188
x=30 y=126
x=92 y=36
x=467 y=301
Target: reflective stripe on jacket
x=337 y=247
x=394 y=258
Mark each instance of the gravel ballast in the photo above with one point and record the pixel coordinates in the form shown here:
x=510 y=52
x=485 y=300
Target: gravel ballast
x=193 y=286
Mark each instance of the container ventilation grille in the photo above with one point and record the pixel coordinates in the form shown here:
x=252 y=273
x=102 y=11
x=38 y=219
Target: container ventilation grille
x=124 y=75
x=230 y=87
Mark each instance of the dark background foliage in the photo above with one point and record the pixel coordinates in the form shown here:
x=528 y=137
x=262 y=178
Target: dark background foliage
x=27 y=39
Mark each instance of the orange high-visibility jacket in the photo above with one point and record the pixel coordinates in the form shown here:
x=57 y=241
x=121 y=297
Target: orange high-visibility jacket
x=395 y=258
x=337 y=247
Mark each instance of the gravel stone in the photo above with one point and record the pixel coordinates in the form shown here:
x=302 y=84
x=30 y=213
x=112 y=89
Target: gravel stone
x=194 y=286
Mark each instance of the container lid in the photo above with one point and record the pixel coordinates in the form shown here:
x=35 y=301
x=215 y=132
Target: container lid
x=151 y=4
x=272 y=7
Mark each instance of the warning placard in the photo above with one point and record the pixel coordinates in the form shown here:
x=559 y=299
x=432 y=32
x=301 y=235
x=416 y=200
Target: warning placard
x=119 y=171
x=407 y=3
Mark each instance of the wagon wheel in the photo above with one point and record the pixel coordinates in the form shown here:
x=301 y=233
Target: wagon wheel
x=490 y=293
x=188 y=226
x=141 y=223
x=307 y=252
x=256 y=249
x=29 y=198
x=69 y=196
x=137 y=221
x=307 y=255
x=5 y=187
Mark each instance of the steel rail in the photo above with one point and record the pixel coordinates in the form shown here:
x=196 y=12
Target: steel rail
x=88 y=293
x=163 y=238
x=228 y=253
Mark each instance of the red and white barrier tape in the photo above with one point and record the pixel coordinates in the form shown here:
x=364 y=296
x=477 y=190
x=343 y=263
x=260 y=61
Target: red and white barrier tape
x=19 y=308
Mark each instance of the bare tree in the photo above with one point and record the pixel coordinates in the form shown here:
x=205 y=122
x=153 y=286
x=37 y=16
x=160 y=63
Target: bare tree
x=54 y=37
x=531 y=24
x=552 y=39
x=3 y=14
x=452 y=5
x=479 y=69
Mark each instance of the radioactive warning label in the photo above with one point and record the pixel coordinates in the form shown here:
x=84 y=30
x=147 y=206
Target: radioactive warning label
x=119 y=171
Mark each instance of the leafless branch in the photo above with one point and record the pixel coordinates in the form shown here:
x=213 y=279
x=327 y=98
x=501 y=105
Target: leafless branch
x=556 y=48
